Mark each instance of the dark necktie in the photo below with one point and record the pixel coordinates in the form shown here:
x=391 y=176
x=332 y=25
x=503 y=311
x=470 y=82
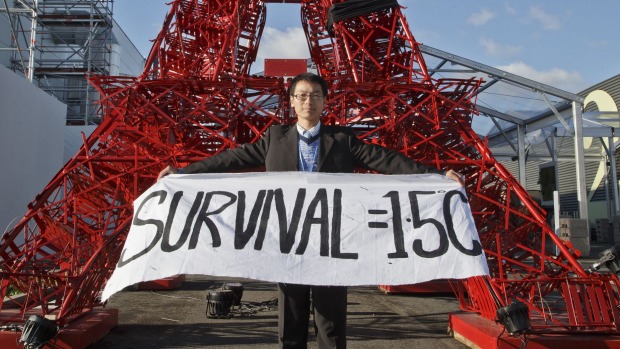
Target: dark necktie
x=309 y=140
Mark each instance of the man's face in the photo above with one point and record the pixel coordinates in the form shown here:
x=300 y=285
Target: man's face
x=309 y=103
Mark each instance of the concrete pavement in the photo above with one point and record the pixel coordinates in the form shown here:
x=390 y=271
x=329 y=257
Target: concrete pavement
x=176 y=318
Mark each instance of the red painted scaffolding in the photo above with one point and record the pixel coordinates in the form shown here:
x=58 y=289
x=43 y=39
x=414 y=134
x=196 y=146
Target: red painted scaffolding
x=196 y=98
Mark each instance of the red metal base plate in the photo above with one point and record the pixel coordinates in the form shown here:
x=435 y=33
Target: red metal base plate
x=170 y=283
x=477 y=332
x=78 y=334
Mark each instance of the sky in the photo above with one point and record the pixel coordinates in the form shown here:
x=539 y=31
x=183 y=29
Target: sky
x=569 y=44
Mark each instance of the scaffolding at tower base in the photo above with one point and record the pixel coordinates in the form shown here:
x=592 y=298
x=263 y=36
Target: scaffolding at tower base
x=55 y=44
x=196 y=99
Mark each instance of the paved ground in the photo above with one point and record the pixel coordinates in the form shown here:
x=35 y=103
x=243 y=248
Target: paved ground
x=176 y=318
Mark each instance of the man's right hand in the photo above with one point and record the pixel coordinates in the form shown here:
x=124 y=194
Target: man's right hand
x=166 y=171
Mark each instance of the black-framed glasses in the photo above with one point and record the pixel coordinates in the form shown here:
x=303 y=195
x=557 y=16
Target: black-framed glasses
x=304 y=96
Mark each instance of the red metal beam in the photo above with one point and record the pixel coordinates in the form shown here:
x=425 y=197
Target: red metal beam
x=196 y=98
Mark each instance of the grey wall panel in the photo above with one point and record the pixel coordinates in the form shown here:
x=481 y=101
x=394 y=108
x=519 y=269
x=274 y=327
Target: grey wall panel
x=31 y=143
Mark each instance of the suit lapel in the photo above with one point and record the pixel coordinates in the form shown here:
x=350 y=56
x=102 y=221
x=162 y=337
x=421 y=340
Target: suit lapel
x=289 y=140
x=327 y=141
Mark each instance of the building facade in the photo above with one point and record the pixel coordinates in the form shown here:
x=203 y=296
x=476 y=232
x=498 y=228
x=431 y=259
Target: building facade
x=551 y=164
x=56 y=44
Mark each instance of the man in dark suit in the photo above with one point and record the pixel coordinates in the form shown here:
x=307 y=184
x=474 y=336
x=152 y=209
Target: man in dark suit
x=312 y=147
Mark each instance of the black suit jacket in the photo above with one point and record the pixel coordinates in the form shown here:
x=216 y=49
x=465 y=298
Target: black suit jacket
x=340 y=151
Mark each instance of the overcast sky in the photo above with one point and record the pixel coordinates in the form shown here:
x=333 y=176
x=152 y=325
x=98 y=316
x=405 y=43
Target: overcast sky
x=569 y=44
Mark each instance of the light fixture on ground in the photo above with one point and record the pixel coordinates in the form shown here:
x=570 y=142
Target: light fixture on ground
x=38 y=331
x=219 y=303
x=237 y=289
x=515 y=318
x=609 y=259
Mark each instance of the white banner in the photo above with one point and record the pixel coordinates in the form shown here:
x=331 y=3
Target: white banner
x=302 y=228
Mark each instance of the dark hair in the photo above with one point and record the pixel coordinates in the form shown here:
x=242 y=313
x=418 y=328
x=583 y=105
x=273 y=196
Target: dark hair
x=311 y=78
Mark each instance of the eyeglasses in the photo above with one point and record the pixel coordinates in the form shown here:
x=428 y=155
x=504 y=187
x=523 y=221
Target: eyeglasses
x=304 y=96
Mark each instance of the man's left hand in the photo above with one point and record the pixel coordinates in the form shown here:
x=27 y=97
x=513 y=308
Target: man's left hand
x=455 y=176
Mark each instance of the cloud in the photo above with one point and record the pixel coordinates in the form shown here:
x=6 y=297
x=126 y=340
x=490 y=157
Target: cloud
x=496 y=49
x=556 y=77
x=510 y=9
x=481 y=17
x=275 y=43
x=548 y=21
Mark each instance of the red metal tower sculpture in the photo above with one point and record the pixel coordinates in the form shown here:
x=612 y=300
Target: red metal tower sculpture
x=196 y=98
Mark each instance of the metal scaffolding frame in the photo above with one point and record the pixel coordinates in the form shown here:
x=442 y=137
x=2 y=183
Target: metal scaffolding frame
x=64 y=41
x=573 y=108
